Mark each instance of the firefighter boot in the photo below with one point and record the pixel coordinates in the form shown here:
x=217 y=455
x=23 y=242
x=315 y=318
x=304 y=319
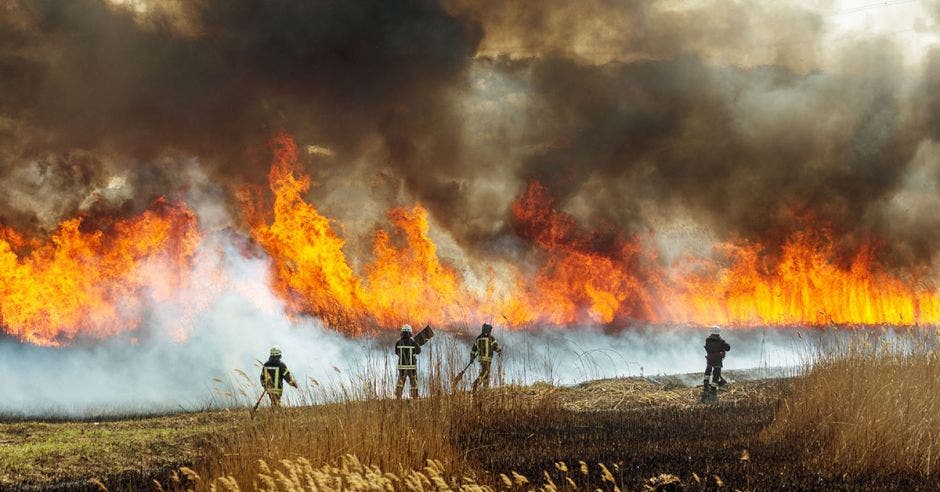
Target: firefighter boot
x=705 y=386
x=414 y=392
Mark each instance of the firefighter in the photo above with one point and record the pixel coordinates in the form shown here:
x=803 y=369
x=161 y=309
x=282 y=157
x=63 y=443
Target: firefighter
x=273 y=375
x=715 y=348
x=407 y=350
x=484 y=346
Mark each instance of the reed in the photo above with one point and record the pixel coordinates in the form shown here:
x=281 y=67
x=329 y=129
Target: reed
x=357 y=414
x=868 y=405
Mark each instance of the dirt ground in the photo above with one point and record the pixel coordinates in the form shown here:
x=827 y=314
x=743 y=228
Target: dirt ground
x=639 y=427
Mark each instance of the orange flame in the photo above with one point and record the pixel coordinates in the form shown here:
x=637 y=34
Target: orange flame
x=579 y=275
x=805 y=286
x=83 y=283
x=312 y=274
x=90 y=283
x=578 y=281
x=310 y=270
x=410 y=283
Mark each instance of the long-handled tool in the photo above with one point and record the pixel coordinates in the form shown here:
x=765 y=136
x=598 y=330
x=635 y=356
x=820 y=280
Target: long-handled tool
x=460 y=374
x=267 y=382
x=255 y=408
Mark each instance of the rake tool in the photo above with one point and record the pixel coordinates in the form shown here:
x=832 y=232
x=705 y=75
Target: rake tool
x=263 y=391
x=255 y=408
x=460 y=374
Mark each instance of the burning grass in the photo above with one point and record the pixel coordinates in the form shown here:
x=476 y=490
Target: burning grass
x=575 y=273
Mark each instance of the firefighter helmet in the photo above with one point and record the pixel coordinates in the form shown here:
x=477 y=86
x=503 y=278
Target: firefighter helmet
x=716 y=329
x=406 y=328
x=487 y=328
x=275 y=351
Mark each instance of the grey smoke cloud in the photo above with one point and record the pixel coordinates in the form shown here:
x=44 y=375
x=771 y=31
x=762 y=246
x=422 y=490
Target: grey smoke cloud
x=89 y=76
x=743 y=116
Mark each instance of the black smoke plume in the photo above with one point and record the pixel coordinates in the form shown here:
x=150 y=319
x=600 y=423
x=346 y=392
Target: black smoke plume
x=739 y=116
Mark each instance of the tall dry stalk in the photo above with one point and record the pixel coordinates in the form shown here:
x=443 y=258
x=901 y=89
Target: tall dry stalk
x=869 y=405
x=349 y=474
x=355 y=415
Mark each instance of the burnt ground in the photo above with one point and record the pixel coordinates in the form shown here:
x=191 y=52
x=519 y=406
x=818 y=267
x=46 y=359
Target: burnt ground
x=684 y=446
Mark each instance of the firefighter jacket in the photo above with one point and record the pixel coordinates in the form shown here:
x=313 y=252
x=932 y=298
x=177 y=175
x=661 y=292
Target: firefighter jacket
x=715 y=348
x=407 y=351
x=273 y=374
x=485 y=346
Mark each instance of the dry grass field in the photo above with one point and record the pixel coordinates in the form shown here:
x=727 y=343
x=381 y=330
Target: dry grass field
x=868 y=405
x=863 y=416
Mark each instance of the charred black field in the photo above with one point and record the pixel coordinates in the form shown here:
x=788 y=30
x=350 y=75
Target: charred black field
x=705 y=447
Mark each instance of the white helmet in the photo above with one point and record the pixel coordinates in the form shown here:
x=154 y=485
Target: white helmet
x=275 y=351
x=406 y=328
x=716 y=329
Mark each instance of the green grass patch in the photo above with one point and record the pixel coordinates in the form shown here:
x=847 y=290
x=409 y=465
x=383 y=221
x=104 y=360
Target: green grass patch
x=39 y=453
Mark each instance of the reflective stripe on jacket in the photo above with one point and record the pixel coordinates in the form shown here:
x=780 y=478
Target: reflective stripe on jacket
x=407 y=351
x=485 y=346
x=273 y=374
x=272 y=379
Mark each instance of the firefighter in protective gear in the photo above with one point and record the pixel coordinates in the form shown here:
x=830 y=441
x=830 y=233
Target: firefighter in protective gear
x=484 y=346
x=715 y=348
x=407 y=351
x=273 y=375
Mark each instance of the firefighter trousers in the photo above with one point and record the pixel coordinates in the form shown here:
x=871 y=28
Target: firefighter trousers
x=412 y=376
x=713 y=370
x=484 y=376
x=275 y=399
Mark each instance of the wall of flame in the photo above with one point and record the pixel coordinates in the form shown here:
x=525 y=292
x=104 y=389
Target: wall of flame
x=92 y=282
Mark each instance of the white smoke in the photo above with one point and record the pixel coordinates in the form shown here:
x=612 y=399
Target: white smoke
x=185 y=355
x=578 y=354
x=155 y=372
